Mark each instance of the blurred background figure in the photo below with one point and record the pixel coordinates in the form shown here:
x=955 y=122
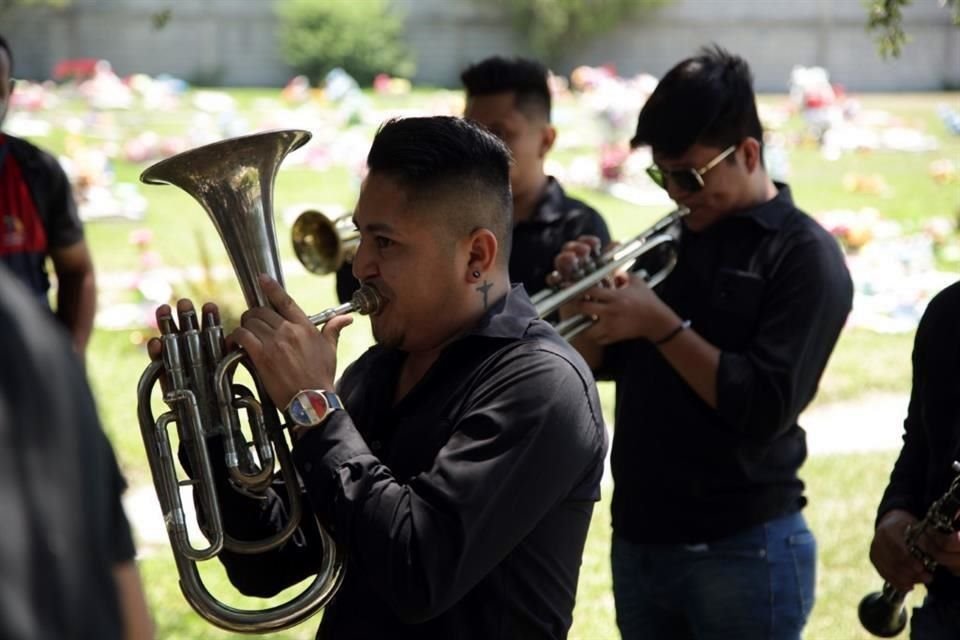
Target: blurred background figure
x=38 y=219
x=67 y=565
x=511 y=98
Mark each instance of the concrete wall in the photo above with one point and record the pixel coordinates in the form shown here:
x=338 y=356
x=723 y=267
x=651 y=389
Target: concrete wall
x=235 y=40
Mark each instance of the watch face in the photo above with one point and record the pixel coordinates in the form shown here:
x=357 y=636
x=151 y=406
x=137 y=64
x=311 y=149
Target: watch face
x=308 y=408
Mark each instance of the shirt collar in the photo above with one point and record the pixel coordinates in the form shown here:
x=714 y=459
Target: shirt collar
x=509 y=317
x=550 y=205
x=774 y=212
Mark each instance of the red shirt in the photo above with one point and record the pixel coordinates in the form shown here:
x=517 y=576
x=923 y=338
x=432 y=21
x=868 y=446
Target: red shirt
x=21 y=230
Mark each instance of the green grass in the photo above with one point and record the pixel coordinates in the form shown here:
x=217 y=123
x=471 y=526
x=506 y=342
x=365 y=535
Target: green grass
x=843 y=490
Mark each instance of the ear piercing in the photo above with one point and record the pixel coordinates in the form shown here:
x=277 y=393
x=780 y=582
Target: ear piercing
x=476 y=274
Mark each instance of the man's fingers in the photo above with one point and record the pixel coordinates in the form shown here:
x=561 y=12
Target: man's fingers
x=334 y=326
x=187 y=315
x=281 y=300
x=261 y=317
x=154 y=348
x=246 y=339
x=211 y=315
x=165 y=319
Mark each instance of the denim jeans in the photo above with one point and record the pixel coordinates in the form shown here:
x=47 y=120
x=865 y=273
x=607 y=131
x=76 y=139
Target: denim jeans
x=755 y=585
x=937 y=619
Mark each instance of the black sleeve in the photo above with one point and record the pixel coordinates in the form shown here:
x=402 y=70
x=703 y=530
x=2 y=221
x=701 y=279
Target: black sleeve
x=54 y=196
x=524 y=440
x=933 y=360
x=123 y=547
x=762 y=388
x=247 y=518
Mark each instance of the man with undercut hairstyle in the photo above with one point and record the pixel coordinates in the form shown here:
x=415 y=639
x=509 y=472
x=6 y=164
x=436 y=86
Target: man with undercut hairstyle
x=511 y=98
x=460 y=457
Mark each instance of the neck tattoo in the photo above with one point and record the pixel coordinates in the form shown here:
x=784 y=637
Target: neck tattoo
x=485 y=289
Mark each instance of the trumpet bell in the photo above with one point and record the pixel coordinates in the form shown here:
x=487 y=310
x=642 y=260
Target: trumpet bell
x=322 y=245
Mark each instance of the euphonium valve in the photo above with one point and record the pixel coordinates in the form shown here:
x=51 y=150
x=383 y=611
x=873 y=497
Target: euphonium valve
x=233 y=181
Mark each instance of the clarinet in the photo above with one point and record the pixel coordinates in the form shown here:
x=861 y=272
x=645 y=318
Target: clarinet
x=882 y=613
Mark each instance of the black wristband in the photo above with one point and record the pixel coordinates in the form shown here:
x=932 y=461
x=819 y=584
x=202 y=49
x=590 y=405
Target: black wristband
x=673 y=334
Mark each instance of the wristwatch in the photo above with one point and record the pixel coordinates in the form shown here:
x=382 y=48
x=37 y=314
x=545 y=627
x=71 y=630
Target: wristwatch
x=310 y=407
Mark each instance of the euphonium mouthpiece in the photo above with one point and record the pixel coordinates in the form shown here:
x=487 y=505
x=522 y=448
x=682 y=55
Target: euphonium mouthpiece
x=367 y=300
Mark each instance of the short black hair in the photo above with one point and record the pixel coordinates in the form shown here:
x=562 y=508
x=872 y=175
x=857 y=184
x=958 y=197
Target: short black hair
x=436 y=155
x=525 y=78
x=707 y=99
x=6 y=47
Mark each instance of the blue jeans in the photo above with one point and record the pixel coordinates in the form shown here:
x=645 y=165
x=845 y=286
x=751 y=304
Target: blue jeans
x=755 y=585
x=936 y=619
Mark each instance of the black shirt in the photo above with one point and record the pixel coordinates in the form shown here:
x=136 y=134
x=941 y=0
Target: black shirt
x=769 y=287
x=464 y=507
x=63 y=526
x=931 y=440
x=556 y=219
x=52 y=196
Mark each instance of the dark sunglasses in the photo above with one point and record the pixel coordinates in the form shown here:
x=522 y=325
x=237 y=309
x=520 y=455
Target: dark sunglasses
x=686 y=179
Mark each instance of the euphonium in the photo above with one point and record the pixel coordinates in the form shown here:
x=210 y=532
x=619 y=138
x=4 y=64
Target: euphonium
x=882 y=613
x=623 y=256
x=233 y=181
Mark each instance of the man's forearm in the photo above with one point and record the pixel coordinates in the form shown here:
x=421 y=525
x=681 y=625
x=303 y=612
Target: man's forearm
x=77 y=306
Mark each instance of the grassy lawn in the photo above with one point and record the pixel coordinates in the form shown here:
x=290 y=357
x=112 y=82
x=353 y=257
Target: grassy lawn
x=843 y=490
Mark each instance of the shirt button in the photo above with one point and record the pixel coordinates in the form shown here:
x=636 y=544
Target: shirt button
x=375 y=445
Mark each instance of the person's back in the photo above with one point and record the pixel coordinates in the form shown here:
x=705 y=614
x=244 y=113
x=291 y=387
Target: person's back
x=63 y=525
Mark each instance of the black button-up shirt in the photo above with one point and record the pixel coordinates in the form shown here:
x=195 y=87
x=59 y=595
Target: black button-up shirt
x=556 y=219
x=931 y=440
x=537 y=240
x=769 y=287
x=464 y=507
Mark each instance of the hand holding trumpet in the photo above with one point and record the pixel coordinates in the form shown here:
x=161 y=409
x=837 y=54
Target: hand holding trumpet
x=622 y=305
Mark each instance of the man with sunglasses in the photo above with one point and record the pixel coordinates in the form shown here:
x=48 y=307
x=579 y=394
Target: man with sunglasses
x=712 y=370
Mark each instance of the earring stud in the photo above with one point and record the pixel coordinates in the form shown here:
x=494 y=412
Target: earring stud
x=476 y=274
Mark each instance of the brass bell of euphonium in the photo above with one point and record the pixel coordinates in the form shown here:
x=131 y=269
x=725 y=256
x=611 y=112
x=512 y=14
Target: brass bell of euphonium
x=233 y=181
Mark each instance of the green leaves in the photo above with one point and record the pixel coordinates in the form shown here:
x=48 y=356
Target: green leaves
x=885 y=18
x=554 y=26
x=364 y=38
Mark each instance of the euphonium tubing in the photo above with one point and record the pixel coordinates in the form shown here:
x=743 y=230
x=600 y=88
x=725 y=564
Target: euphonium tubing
x=233 y=181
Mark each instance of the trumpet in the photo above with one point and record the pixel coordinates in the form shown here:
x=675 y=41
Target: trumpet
x=322 y=245
x=883 y=613
x=625 y=256
x=233 y=181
